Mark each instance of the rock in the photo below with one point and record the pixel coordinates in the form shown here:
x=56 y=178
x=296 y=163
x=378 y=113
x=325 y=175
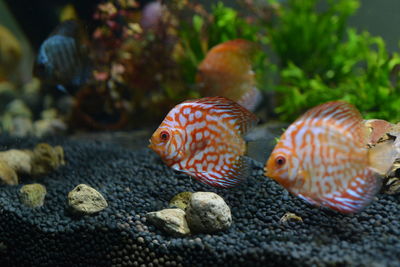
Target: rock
x=290 y=217
x=7 y=174
x=395 y=132
x=391 y=181
x=46 y=127
x=207 y=213
x=32 y=195
x=32 y=95
x=21 y=127
x=46 y=159
x=391 y=185
x=181 y=200
x=86 y=200
x=171 y=221
x=42 y=160
x=18 y=108
x=17 y=119
x=8 y=93
x=18 y=160
x=49 y=124
x=50 y=113
x=378 y=130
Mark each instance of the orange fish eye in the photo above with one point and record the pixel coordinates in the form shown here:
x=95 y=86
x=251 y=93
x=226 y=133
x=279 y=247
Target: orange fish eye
x=280 y=161
x=164 y=136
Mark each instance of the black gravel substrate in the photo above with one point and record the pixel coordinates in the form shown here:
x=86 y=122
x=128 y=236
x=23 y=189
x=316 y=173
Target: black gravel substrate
x=135 y=183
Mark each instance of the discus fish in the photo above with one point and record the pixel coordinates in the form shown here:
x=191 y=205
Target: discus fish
x=63 y=59
x=203 y=138
x=322 y=158
x=227 y=71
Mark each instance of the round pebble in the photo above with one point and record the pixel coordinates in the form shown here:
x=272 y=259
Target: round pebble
x=86 y=200
x=208 y=213
x=32 y=195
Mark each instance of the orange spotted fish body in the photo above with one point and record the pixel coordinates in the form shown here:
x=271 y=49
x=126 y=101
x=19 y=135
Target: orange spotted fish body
x=323 y=159
x=203 y=138
x=227 y=71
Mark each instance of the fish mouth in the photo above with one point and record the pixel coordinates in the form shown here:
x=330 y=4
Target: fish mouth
x=268 y=173
x=265 y=171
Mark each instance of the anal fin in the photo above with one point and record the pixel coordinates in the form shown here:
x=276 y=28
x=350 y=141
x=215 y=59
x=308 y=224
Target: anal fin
x=226 y=178
x=356 y=196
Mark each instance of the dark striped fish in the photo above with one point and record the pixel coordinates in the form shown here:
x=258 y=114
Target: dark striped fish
x=63 y=57
x=322 y=158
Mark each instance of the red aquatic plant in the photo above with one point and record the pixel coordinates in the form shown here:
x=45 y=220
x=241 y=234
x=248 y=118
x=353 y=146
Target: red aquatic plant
x=134 y=51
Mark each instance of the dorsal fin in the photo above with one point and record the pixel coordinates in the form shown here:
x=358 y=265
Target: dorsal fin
x=241 y=46
x=339 y=114
x=244 y=119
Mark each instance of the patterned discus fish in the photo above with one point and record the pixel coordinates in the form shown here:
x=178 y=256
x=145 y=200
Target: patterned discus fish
x=227 y=71
x=322 y=158
x=203 y=138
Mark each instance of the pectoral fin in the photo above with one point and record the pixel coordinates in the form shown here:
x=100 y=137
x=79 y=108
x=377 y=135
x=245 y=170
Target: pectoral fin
x=300 y=177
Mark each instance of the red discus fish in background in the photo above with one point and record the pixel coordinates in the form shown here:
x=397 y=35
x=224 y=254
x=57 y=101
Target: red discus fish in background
x=226 y=71
x=322 y=158
x=203 y=138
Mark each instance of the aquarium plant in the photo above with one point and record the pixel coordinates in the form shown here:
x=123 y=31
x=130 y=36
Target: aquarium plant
x=146 y=58
x=321 y=58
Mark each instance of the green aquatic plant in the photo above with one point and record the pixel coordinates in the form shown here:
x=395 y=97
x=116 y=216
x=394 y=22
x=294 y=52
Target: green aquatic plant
x=369 y=82
x=307 y=33
x=322 y=59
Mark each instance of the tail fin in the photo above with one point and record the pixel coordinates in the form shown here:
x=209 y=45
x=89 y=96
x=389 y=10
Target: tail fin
x=382 y=157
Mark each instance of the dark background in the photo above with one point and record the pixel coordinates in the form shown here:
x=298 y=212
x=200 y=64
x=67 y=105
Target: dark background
x=39 y=17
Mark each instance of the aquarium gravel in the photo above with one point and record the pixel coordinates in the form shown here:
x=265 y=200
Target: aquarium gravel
x=137 y=182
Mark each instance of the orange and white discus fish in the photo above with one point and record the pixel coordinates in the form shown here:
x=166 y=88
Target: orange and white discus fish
x=227 y=71
x=322 y=158
x=203 y=138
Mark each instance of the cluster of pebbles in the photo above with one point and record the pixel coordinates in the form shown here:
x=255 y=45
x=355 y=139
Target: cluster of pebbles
x=135 y=183
x=26 y=112
x=200 y=212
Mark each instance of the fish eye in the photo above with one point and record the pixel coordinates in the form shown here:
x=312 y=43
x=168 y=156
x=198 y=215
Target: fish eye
x=164 y=135
x=280 y=161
